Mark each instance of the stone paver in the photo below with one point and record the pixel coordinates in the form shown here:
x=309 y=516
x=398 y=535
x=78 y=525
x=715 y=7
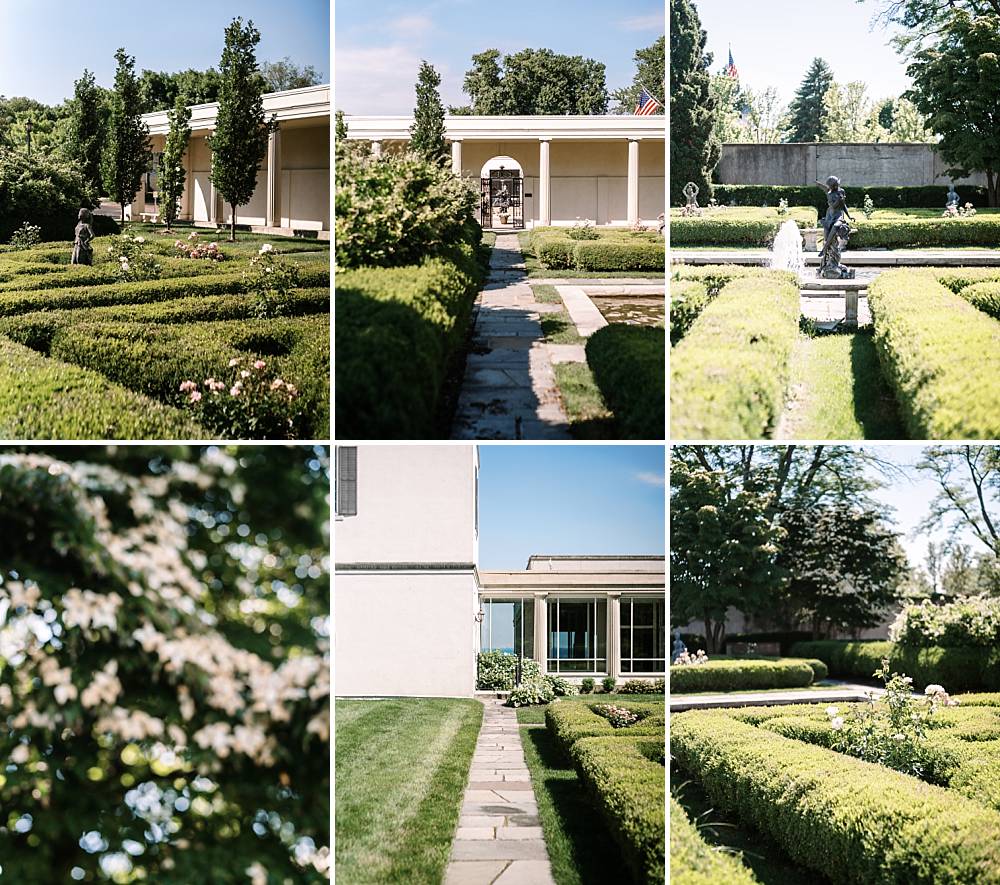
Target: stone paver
x=582 y=311
x=499 y=836
x=509 y=389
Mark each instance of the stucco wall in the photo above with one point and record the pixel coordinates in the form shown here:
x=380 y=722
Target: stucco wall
x=405 y=634
x=893 y=165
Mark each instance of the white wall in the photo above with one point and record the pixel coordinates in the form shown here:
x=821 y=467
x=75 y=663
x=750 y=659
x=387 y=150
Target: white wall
x=405 y=634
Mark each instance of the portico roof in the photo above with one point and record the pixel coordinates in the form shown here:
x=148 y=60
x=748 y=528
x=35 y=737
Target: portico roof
x=577 y=127
x=547 y=581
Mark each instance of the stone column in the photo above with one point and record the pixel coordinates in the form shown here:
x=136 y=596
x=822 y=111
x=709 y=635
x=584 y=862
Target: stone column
x=633 y=180
x=542 y=631
x=213 y=197
x=614 y=635
x=544 y=184
x=456 y=156
x=376 y=148
x=273 y=210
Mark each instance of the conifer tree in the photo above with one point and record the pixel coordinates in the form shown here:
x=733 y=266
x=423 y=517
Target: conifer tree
x=172 y=174
x=427 y=132
x=127 y=154
x=87 y=122
x=806 y=109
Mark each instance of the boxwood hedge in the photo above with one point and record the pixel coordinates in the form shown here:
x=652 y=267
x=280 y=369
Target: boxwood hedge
x=694 y=862
x=715 y=276
x=728 y=227
x=628 y=364
x=925 y=197
x=895 y=233
x=571 y=721
x=984 y=297
x=729 y=374
x=940 y=355
x=614 y=249
x=688 y=298
x=739 y=675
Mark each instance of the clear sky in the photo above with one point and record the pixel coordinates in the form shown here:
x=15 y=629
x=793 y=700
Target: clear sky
x=46 y=44
x=582 y=499
x=774 y=41
x=379 y=45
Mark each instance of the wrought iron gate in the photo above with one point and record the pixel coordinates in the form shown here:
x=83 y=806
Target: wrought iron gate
x=501 y=201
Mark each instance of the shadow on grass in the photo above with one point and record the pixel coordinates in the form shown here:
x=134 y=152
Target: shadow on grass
x=874 y=404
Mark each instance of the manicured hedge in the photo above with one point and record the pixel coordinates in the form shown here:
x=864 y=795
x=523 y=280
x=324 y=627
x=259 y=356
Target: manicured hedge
x=694 y=862
x=571 y=721
x=595 y=255
x=688 y=298
x=613 y=250
x=742 y=675
x=626 y=779
x=729 y=374
x=940 y=355
x=984 y=297
x=879 y=825
x=41 y=398
x=715 y=276
x=629 y=368
x=728 y=227
x=892 y=233
x=957 y=278
x=926 y=197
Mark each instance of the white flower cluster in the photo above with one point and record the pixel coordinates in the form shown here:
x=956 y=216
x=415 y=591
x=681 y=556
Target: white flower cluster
x=90 y=610
x=130 y=725
x=105 y=687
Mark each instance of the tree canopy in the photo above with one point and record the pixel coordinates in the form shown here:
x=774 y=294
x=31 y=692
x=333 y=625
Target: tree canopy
x=286 y=74
x=650 y=73
x=127 y=151
x=806 y=110
x=427 y=132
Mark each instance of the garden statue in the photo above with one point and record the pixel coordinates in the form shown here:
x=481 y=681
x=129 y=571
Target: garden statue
x=836 y=232
x=83 y=252
x=690 y=192
x=953 y=198
x=679 y=647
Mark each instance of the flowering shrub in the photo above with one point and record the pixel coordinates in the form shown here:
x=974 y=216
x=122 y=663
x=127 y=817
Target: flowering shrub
x=583 y=231
x=131 y=259
x=782 y=206
x=209 y=252
x=270 y=279
x=642 y=686
x=868 y=207
x=956 y=211
x=497 y=670
x=26 y=236
x=531 y=691
x=891 y=730
x=686 y=659
x=971 y=620
x=619 y=717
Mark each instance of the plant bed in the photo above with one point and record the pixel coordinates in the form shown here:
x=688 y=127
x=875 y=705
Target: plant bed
x=570 y=722
x=610 y=250
x=743 y=226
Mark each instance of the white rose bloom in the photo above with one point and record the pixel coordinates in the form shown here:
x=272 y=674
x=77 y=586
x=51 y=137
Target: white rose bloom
x=838 y=723
x=934 y=689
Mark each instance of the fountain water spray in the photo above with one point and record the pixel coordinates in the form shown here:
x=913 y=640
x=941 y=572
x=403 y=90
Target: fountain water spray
x=786 y=253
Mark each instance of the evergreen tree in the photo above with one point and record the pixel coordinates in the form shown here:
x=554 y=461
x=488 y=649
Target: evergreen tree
x=650 y=73
x=128 y=153
x=694 y=150
x=172 y=174
x=806 y=109
x=427 y=131
x=86 y=128
x=239 y=142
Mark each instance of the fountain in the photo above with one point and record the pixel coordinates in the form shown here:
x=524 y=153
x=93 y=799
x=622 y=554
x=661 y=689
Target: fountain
x=786 y=253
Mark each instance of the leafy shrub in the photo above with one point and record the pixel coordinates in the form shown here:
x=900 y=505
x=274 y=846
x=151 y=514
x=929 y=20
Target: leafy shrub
x=726 y=230
x=592 y=256
x=715 y=276
x=688 y=299
x=628 y=366
x=199 y=251
x=531 y=691
x=609 y=249
x=694 y=862
x=970 y=621
x=131 y=259
x=984 y=297
x=940 y=355
x=741 y=675
x=270 y=280
x=641 y=686
x=608 y=683
x=497 y=670
x=586 y=685
x=26 y=236
x=570 y=722
x=957 y=278
x=895 y=233
x=583 y=231
x=729 y=374
x=104 y=225
x=628 y=788
x=921 y=197
x=619 y=717
x=42 y=190
x=560 y=686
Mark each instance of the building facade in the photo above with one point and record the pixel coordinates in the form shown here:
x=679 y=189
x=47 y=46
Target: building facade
x=412 y=609
x=293 y=184
x=608 y=169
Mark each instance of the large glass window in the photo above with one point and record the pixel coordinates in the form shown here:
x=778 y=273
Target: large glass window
x=578 y=635
x=508 y=625
x=643 y=635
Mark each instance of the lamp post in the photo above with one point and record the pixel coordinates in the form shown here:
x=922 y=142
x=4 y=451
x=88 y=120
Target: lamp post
x=28 y=126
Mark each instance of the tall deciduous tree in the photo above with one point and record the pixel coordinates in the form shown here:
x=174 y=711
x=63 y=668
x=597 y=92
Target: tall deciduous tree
x=956 y=85
x=694 y=150
x=847 y=113
x=172 y=174
x=650 y=73
x=239 y=142
x=86 y=129
x=427 y=132
x=127 y=152
x=968 y=498
x=806 y=109
x=285 y=74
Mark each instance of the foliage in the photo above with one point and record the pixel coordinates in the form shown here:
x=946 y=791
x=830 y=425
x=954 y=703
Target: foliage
x=926 y=232
x=162 y=688
x=847 y=113
x=583 y=231
x=627 y=363
x=719 y=674
x=735 y=227
x=807 y=108
x=285 y=74
x=427 y=131
x=582 y=247
x=868 y=207
x=127 y=152
x=160 y=90
x=26 y=236
x=686 y=659
x=973 y=621
x=200 y=251
x=534 y=81
x=131 y=259
x=86 y=130
x=586 y=685
x=43 y=191
x=923 y=197
x=241 y=133
x=608 y=684
x=497 y=670
x=48 y=125
x=642 y=686
x=688 y=298
x=531 y=691
x=693 y=861
x=650 y=73
x=574 y=721
x=172 y=174
x=270 y=279
x=561 y=686
x=694 y=151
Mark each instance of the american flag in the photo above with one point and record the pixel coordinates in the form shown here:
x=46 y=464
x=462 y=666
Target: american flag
x=730 y=69
x=646 y=104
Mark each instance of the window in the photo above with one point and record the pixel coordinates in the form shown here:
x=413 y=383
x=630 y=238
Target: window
x=345 y=492
x=643 y=635
x=508 y=625
x=578 y=632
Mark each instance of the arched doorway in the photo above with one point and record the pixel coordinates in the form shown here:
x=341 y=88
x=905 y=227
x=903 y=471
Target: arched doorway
x=501 y=203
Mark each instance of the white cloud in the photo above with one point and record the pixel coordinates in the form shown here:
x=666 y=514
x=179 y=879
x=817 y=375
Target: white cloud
x=651 y=479
x=412 y=27
x=652 y=22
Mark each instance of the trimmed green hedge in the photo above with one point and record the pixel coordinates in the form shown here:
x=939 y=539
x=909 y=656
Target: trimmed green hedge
x=694 y=862
x=729 y=374
x=885 y=233
x=880 y=825
x=716 y=276
x=743 y=675
x=957 y=278
x=595 y=255
x=626 y=779
x=926 y=197
x=940 y=355
x=42 y=398
x=628 y=364
x=734 y=228
x=614 y=250
x=984 y=297
x=688 y=298
x=571 y=721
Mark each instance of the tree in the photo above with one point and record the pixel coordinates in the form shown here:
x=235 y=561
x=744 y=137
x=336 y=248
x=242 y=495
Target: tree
x=339 y=128
x=427 y=132
x=48 y=124
x=164 y=692
x=920 y=20
x=968 y=498
x=764 y=116
x=956 y=86
x=650 y=74
x=86 y=129
x=806 y=109
x=285 y=74
x=172 y=173
x=127 y=152
x=241 y=131
x=847 y=113
x=908 y=124
x=160 y=89
x=694 y=150
x=532 y=82
x=727 y=100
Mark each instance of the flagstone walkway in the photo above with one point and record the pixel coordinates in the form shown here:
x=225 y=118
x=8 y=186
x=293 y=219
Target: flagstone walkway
x=509 y=390
x=499 y=836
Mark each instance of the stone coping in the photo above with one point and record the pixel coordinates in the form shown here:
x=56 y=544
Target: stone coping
x=868 y=257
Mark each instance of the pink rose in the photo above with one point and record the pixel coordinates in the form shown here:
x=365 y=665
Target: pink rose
x=259 y=364
x=195 y=396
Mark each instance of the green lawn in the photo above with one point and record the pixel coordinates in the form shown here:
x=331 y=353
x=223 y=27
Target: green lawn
x=402 y=766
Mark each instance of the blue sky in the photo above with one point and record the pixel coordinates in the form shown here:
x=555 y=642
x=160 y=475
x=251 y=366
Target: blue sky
x=577 y=499
x=774 y=41
x=379 y=45
x=46 y=44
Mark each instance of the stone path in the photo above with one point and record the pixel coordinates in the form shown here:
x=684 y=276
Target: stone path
x=499 y=836
x=509 y=390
